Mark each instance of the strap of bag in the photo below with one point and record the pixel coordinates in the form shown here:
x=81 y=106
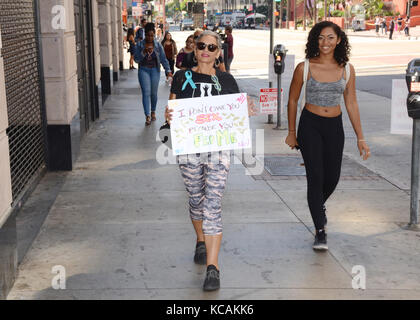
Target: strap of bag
x=305 y=77
x=347 y=73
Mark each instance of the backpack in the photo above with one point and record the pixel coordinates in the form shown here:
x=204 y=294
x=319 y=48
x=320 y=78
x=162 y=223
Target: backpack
x=305 y=79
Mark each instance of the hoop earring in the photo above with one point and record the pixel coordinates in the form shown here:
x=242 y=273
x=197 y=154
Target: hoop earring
x=195 y=59
x=217 y=63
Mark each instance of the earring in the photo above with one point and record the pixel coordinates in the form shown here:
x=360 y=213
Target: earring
x=217 y=63
x=195 y=59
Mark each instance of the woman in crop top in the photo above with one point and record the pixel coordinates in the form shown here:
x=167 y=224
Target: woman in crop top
x=320 y=134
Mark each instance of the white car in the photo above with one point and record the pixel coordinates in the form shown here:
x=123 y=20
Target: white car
x=187 y=24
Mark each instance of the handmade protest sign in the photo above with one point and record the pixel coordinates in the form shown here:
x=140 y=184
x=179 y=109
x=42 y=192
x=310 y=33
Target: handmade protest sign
x=210 y=124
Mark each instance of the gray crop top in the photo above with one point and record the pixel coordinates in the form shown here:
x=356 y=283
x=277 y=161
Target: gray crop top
x=325 y=94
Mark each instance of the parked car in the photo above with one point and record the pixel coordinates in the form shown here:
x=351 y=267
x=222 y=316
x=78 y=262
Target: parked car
x=187 y=24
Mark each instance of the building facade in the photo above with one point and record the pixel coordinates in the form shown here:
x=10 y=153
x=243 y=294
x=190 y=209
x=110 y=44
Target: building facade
x=58 y=62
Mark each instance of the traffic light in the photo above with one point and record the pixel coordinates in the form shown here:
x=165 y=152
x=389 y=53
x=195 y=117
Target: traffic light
x=414 y=3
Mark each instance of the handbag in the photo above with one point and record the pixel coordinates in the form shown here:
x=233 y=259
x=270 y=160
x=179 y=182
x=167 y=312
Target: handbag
x=165 y=135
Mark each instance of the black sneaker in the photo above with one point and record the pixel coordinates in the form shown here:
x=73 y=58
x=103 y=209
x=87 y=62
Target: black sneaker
x=212 y=281
x=320 y=242
x=325 y=214
x=200 y=256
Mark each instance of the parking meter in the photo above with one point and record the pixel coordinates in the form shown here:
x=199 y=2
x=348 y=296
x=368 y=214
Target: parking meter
x=412 y=78
x=279 y=53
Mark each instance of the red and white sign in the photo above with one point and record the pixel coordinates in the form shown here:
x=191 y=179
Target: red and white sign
x=268 y=101
x=415 y=87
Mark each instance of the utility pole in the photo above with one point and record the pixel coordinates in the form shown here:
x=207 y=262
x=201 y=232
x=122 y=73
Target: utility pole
x=304 y=15
x=288 y=14
x=325 y=10
x=294 y=14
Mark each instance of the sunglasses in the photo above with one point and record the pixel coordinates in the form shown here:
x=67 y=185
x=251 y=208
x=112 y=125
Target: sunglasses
x=211 y=47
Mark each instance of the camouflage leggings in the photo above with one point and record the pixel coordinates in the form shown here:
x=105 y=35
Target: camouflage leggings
x=205 y=183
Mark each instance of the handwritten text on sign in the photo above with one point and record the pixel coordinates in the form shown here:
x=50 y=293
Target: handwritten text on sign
x=210 y=124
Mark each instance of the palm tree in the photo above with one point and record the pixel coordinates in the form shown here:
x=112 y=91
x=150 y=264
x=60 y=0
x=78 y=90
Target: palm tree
x=373 y=7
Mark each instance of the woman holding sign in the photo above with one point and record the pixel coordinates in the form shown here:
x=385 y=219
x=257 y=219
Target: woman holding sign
x=326 y=76
x=205 y=175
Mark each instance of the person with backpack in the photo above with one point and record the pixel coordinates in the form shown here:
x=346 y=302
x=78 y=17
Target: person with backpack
x=325 y=77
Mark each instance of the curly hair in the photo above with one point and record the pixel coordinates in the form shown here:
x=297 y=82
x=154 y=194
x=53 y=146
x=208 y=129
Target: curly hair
x=150 y=26
x=342 y=50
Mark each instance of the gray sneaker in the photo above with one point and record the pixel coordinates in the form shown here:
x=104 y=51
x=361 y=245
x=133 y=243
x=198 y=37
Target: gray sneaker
x=200 y=256
x=212 y=281
x=320 y=243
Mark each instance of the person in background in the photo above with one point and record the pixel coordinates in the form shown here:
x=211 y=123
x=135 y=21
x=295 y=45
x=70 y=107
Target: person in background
x=189 y=47
x=171 y=51
x=399 y=23
x=391 y=27
x=407 y=26
x=150 y=55
x=377 y=24
x=132 y=47
x=159 y=36
x=383 y=26
x=229 y=42
x=140 y=33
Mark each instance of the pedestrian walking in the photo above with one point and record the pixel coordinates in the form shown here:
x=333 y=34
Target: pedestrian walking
x=140 y=33
x=150 y=55
x=205 y=175
x=383 y=26
x=377 y=24
x=159 y=35
x=391 y=27
x=229 y=42
x=171 y=51
x=320 y=134
x=131 y=47
x=399 y=23
x=189 y=47
x=407 y=26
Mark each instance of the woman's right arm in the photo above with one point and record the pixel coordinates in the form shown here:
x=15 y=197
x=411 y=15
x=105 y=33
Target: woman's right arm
x=294 y=93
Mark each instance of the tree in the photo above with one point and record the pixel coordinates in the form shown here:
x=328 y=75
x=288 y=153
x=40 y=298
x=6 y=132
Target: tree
x=373 y=7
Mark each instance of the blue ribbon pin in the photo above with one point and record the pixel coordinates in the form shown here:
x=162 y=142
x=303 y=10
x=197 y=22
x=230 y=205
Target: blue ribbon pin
x=188 y=75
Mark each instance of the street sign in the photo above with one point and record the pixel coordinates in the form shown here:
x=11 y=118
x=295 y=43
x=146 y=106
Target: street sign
x=268 y=101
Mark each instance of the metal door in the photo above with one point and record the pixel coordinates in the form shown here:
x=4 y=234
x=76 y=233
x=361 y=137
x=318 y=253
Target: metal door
x=26 y=117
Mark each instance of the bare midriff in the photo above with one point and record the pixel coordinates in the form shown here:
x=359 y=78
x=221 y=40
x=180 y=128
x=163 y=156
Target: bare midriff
x=328 y=112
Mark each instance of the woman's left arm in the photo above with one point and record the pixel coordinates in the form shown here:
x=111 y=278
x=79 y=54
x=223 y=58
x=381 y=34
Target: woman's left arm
x=354 y=114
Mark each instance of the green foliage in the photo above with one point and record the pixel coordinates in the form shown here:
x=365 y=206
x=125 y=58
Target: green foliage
x=373 y=8
x=337 y=13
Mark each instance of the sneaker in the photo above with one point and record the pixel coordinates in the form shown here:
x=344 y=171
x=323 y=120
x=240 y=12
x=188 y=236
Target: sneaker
x=200 y=256
x=212 y=281
x=320 y=242
x=325 y=214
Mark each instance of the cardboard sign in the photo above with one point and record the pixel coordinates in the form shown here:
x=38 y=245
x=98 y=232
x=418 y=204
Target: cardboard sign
x=210 y=124
x=401 y=123
x=268 y=101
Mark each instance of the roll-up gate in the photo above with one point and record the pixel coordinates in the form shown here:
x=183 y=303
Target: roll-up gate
x=22 y=80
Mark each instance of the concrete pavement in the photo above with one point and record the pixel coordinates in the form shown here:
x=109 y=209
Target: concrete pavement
x=120 y=227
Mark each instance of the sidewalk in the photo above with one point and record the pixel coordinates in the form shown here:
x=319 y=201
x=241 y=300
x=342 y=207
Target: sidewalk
x=121 y=229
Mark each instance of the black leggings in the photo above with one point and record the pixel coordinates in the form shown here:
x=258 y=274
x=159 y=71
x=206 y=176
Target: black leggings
x=321 y=141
